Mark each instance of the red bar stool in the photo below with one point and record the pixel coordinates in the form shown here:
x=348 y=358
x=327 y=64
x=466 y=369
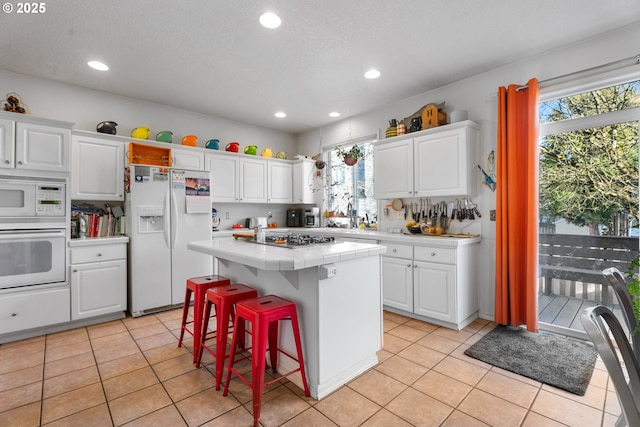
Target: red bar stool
x=197 y=286
x=225 y=299
x=264 y=314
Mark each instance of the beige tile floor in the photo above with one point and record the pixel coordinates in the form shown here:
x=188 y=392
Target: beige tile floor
x=130 y=372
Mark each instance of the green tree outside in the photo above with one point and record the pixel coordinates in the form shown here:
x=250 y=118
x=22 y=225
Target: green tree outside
x=587 y=176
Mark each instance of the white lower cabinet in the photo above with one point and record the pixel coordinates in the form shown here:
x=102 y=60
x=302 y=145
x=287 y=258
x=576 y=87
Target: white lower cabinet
x=98 y=280
x=397 y=276
x=30 y=309
x=431 y=283
x=434 y=291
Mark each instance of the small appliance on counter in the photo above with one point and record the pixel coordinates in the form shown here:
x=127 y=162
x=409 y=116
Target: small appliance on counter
x=311 y=217
x=215 y=220
x=256 y=221
x=294 y=217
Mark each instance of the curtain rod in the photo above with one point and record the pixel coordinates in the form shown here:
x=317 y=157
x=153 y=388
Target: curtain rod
x=635 y=58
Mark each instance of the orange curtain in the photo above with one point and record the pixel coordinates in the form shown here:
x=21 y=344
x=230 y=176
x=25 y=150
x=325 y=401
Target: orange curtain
x=516 y=301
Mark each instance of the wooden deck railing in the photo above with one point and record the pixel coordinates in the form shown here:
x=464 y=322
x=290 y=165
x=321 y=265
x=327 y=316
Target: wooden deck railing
x=572 y=265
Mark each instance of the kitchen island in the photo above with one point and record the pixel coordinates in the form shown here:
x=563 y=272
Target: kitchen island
x=337 y=290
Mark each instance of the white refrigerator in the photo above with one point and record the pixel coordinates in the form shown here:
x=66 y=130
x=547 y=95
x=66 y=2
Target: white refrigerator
x=165 y=209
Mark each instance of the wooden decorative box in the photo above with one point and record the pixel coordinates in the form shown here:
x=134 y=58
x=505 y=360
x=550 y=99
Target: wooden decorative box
x=149 y=155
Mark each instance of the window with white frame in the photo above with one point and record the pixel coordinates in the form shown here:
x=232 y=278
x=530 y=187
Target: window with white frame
x=350 y=188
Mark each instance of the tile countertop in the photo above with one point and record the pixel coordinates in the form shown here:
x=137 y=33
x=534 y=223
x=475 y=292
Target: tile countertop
x=382 y=236
x=94 y=241
x=273 y=258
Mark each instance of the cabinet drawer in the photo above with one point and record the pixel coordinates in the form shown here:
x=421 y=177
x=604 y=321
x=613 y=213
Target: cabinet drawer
x=98 y=253
x=33 y=309
x=431 y=254
x=398 y=251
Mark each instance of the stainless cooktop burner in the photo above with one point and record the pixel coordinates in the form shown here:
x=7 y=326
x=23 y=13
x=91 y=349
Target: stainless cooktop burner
x=292 y=241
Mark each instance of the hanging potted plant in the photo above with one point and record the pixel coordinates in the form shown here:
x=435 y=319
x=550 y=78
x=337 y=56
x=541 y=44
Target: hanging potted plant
x=350 y=156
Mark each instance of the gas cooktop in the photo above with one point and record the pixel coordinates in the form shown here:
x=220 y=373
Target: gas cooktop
x=292 y=241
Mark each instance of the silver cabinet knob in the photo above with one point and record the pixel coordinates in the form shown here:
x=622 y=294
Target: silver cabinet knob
x=395 y=250
x=14 y=314
x=433 y=254
x=408 y=265
x=19 y=162
x=7 y=161
x=98 y=254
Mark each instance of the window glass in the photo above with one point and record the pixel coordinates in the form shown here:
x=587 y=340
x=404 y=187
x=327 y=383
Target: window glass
x=350 y=188
x=612 y=98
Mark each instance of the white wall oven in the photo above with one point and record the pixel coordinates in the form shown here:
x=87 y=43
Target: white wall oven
x=33 y=232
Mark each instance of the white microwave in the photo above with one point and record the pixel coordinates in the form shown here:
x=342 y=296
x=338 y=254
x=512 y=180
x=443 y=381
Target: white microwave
x=32 y=198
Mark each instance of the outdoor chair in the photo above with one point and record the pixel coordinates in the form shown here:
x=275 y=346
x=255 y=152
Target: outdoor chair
x=619 y=286
x=600 y=324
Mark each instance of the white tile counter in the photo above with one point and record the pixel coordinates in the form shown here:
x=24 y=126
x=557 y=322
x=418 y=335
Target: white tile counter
x=367 y=234
x=274 y=258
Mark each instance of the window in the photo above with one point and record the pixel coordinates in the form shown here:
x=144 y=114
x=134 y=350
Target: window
x=350 y=188
x=589 y=161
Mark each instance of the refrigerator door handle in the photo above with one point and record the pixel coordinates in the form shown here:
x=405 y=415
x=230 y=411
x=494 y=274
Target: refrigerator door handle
x=174 y=220
x=166 y=216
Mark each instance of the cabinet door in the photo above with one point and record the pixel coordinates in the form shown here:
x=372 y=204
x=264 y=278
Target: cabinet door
x=45 y=148
x=302 y=179
x=253 y=181
x=97 y=169
x=393 y=166
x=7 y=144
x=279 y=183
x=444 y=162
x=224 y=178
x=98 y=288
x=397 y=283
x=188 y=159
x=434 y=290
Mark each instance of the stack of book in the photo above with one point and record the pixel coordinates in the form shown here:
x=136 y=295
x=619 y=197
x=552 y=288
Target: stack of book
x=91 y=222
x=104 y=225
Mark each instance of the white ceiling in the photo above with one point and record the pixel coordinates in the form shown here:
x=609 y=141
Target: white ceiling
x=213 y=57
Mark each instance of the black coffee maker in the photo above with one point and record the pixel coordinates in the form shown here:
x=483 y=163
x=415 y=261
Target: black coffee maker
x=294 y=217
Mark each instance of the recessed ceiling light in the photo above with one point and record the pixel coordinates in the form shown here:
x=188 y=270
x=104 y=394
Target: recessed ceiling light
x=270 y=20
x=280 y=115
x=372 y=74
x=334 y=114
x=97 y=65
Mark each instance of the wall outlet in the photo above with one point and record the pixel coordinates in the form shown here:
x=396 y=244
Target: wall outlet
x=227 y=215
x=492 y=215
x=327 y=271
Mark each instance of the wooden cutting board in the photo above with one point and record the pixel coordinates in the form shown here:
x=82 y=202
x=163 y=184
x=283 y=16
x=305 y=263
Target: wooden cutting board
x=243 y=235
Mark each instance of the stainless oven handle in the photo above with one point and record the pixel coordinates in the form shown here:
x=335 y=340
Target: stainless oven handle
x=7 y=234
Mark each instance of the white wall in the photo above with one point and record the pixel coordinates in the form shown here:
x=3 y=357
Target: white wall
x=86 y=108
x=477 y=96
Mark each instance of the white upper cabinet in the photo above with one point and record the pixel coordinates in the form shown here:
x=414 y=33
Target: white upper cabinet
x=303 y=171
x=253 y=180
x=248 y=179
x=7 y=144
x=279 y=185
x=188 y=158
x=32 y=144
x=431 y=163
x=224 y=177
x=445 y=163
x=97 y=168
x=393 y=169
